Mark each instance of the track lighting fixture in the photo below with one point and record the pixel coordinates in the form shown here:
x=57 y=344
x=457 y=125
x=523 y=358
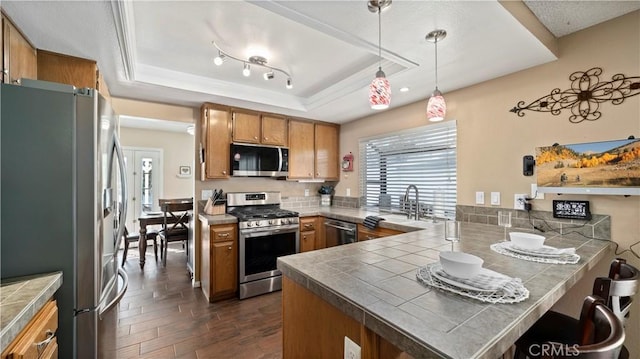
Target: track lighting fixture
x=253 y=60
x=220 y=59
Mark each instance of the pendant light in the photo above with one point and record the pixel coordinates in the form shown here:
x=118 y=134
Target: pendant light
x=436 y=107
x=379 y=90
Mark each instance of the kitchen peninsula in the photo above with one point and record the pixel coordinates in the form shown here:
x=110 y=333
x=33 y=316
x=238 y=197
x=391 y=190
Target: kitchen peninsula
x=368 y=292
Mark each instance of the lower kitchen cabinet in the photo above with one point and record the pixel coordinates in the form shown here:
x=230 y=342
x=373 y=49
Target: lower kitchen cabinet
x=365 y=233
x=308 y=233
x=219 y=258
x=37 y=339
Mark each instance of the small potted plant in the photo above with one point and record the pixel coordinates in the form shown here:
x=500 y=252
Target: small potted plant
x=325 y=195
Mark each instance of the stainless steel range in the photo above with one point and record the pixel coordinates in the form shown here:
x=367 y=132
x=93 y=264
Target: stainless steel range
x=266 y=232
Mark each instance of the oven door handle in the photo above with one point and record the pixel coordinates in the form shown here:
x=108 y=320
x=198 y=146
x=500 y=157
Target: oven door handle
x=340 y=227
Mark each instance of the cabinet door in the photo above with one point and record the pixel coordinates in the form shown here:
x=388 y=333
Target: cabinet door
x=18 y=56
x=225 y=276
x=67 y=69
x=307 y=241
x=326 y=152
x=308 y=224
x=301 y=148
x=246 y=127
x=216 y=141
x=274 y=131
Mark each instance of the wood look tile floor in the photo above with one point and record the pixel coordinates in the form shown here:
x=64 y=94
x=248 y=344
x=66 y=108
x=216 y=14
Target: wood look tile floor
x=163 y=316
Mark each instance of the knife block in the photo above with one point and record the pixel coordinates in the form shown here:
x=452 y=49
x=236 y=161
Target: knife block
x=213 y=210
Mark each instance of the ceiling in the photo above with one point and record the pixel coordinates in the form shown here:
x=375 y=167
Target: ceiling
x=162 y=51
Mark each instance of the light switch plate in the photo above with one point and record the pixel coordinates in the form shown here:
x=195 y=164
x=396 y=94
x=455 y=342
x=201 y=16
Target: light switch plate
x=495 y=198
x=348 y=192
x=479 y=197
x=351 y=349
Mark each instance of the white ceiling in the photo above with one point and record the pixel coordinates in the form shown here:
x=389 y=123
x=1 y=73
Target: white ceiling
x=162 y=51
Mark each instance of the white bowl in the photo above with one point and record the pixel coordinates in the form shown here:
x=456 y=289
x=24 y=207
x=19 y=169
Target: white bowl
x=460 y=264
x=526 y=240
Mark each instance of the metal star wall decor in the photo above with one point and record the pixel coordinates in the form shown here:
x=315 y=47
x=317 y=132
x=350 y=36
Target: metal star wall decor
x=585 y=95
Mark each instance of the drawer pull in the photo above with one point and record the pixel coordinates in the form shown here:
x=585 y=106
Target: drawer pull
x=229 y=248
x=41 y=346
x=223 y=235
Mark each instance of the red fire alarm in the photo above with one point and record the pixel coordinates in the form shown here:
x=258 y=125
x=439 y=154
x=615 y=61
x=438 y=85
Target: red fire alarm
x=347 y=162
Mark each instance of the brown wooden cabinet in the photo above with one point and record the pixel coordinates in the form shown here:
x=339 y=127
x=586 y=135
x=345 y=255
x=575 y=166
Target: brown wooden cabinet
x=71 y=70
x=219 y=259
x=40 y=330
x=313 y=150
x=365 y=233
x=253 y=127
x=309 y=233
x=215 y=141
x=19 y=58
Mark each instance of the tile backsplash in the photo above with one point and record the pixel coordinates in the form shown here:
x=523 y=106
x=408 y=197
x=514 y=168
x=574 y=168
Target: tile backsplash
x=598 y=227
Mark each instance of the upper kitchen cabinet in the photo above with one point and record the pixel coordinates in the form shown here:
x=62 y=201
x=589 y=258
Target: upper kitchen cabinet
x=71 y=70
x=253 y=127
x=326 y=152
x=215 y=141
x=313 y=150
x=19 y=58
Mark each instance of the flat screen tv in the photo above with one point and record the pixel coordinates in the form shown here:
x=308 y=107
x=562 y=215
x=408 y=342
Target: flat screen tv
x=609 y=167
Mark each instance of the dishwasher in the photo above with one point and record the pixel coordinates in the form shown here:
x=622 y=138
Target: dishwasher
x=339 y=232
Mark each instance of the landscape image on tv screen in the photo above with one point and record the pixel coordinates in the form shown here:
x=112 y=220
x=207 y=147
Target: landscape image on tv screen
x=609 y=164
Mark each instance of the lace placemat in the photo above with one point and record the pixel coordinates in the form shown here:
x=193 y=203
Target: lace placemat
x=488 y=286
x=560 y=257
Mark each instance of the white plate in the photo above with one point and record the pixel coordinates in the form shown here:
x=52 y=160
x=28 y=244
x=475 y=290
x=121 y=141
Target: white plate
x=156 y=213
x=456 y=284
x=508 y=246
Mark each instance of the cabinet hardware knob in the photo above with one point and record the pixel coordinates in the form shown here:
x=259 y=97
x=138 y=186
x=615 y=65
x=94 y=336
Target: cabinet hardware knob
x=255 y=137
x=266 y=138
x=223 y=235
x=304 y=237
x=224 y=172
x=229 y=248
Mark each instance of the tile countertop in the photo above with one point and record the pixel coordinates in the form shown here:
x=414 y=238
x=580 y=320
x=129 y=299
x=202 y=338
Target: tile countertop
x=20 y=299
x=375 y=283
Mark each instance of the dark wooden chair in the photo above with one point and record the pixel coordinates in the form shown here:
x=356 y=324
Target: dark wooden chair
x=177 y=213
x=135 y=237
x=617 y=290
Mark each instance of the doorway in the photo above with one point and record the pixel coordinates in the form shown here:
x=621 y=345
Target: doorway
x=144 y=178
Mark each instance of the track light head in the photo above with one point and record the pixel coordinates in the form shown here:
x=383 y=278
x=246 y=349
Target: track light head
x=289 y=85
x=246 y=71
x=268 y=75
x=220 y=59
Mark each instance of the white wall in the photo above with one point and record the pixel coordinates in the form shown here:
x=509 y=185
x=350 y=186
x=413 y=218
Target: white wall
x=177 y=151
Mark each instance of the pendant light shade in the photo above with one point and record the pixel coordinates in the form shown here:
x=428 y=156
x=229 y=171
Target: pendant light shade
x=380 y=89
x=436 y=107
x=380 y=92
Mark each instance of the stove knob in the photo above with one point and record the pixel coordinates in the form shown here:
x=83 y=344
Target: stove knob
x=284 y=220
x=248 y=224
x=271 y=221
x=257 y=223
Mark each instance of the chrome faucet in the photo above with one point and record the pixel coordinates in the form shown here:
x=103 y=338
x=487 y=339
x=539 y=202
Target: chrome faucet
x=406 y=200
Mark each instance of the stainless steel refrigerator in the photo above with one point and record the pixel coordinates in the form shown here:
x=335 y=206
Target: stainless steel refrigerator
x=63 y=205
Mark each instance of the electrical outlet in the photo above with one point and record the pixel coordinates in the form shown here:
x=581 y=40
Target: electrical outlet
x=351 y=349
x=306 y=192
x=519 y=200
x=348 y=192
x=206 y=194
x=495 y=198
x=479 y=197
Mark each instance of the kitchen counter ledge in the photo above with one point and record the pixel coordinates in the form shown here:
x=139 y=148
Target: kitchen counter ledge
x=374 y=283
x=20 y=299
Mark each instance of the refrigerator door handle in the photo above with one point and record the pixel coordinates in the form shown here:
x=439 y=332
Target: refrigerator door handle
x=123 y=181
x=116 y=300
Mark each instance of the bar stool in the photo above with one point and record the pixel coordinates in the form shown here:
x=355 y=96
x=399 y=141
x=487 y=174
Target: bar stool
x=618 y=290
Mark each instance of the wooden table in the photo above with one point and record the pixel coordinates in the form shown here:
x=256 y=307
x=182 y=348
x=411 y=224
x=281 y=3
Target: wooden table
x=149 y=219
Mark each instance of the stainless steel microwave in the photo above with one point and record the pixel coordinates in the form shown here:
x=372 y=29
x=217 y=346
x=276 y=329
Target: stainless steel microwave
x=259 y=161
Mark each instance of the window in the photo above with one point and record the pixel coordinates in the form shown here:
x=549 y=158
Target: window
x=424 y=157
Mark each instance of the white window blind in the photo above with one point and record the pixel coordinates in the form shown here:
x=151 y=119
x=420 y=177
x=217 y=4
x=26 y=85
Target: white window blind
x=424 y=157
